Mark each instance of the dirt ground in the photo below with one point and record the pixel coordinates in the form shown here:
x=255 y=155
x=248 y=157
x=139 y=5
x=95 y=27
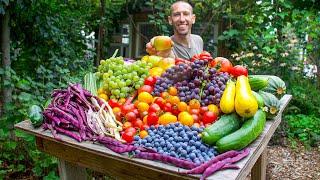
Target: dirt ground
x=286 y=163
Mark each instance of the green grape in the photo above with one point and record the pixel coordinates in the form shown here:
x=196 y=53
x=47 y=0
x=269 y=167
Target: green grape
x=122 y=95
x=136 y=86
x=136 y=78
x=122 y=84
x=128 y=82
x=116 y=92
x=112 y=97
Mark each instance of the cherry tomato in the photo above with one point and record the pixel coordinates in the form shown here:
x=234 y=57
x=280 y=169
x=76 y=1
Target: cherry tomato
x=113 y=103
x=239 y=70
x=128 y=136
x=209 y=117
x=165 y=95
x=131 y=116
x=196 y=118
x=136 y=111
x=145 y=88
x=182 y=106
x=194 y=111
x=150 y=80
x=152 y=118
x=167 y=107
x=172 y=91
x=221 y=64
x=138 y=124
x=145 y=126
x=127 y=108
x=154 y=108
x=175 y=110
x=194 y=104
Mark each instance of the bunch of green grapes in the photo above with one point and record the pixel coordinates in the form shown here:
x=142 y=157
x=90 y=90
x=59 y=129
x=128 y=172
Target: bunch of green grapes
x=120 y=80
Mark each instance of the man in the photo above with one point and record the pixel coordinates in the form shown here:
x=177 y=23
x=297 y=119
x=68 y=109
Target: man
x=185 y=44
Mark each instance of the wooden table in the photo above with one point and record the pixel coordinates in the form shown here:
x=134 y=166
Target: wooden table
x=74 y=157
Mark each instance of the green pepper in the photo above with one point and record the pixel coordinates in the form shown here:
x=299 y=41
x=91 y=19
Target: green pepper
x=35 y=115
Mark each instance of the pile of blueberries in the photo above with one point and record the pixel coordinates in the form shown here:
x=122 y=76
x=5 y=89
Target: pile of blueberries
x=178 y=141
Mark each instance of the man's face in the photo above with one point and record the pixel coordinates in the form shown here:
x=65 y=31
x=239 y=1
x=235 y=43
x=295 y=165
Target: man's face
x=182 y=18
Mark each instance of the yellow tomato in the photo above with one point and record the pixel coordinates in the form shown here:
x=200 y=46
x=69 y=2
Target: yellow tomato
x=167 y=118
x=101 y=91
x=194 y=104
x=186 y=119
x=213 y=108
x=156 y=71
x=143 y=134
x=172 y=91
x=182 y=114
x=116 y=109
x=142 y=106
x=103 y=96
x=145 y=97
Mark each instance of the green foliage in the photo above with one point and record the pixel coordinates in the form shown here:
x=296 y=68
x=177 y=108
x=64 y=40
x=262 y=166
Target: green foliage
x=306 y=128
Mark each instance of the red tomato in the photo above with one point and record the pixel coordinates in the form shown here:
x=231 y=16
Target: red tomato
x=152 y=118
x=150 y=80
x=128 y=136
x=194 y=111
x=138 y=124
x=175 y=110
x=136 y=111
x=167 y=107
x=160 y=101
x=145 y=88
x=239 y=70
x=144 y=127
x=203 y=109
x=113 y=103
x=154 y=108
x=195 y=117
x=131 y=116
x=127 y=108
x=209 y=117
x=221 y=64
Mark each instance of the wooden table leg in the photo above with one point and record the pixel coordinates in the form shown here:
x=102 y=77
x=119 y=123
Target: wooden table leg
x=259 y=169
x=70 y=171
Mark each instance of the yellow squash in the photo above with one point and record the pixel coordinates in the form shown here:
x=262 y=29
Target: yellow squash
x=227 y=99
x=246 y=104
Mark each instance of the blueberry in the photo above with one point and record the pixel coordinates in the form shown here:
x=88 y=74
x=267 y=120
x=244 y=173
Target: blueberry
x=136 y=145
x=148 y=145
x=193 y=148
x=195 y=133
x=156 y=144
x=137 y=151
x=169 y=146
x=166 y=153
x=188 y=149
x=197 y=161
x=172 y=125
x=186 y=128
x=197 y=144
x=177 y=124
x=160 y=127
x=162 y=143
x=136 y=138
x=192 y=156
x=152 y=127
x=189 y=134
x=201 y=159
x=184 y=145
x=179 y=139
x=143 y=141
x=166 y=136
x=203 y=148
x=170 y=139
x=194 y=128
x=195 y=138
x=192 y=142
x=165 y=149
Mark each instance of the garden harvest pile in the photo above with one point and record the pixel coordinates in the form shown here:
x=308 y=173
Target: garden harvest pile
x=199 y=114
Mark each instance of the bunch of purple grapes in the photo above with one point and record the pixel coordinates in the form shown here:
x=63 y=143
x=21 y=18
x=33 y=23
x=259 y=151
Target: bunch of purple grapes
x=171 y=76
x=213 y=89
x=188 y=90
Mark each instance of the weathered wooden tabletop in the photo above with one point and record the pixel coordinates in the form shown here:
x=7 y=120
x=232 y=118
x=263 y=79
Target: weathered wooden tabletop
x=97 y=157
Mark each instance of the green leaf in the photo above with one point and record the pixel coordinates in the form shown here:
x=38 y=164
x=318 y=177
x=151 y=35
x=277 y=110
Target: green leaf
x=10 y=145
x=23 y=96
x=51 y=176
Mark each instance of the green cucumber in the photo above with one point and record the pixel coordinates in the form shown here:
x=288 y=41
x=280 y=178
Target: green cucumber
x=275 y=85
x=258 y=82
x=227 y=124
x=241 y=138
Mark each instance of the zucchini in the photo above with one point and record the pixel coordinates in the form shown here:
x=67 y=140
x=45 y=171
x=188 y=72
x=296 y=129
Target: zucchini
x=259 y=99
x=241 y=138
x=272 y=104
x=227 y=124
x=275 y=86
x=257 y=82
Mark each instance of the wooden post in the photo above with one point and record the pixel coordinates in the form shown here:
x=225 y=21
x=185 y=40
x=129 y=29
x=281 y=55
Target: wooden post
x=70 y=171
x=259 y=169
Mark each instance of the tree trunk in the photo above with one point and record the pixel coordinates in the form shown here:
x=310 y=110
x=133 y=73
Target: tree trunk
x=101 y=34
x=6 y=62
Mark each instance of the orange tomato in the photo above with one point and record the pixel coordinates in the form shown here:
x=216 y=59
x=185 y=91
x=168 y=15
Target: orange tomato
x=136 y=103
x=145 y=119
x=143 y=134
x=182 y=106
x=145 y=97
x=186 y=119
x=142 y=106
x=172 y=91
x=173 y=99
x=214 y=108
x=126 y=125
x=194 y=104
x=165 y=95
x=167 y=118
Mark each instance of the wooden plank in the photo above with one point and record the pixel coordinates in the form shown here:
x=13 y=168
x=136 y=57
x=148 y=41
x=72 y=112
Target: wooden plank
x=97 y=157
x=260 y=167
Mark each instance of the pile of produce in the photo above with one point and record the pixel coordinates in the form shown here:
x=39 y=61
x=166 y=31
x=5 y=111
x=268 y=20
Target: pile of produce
x=199 y=114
